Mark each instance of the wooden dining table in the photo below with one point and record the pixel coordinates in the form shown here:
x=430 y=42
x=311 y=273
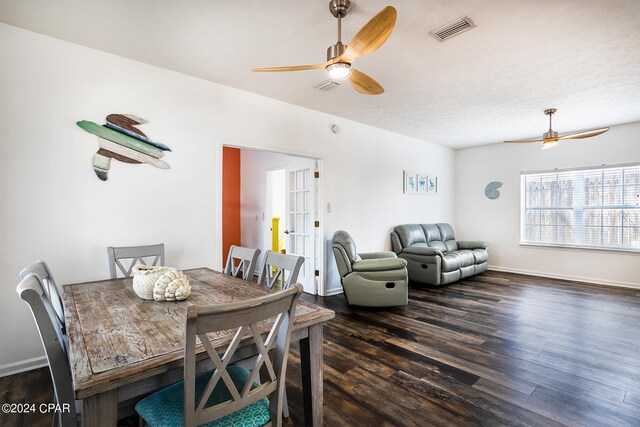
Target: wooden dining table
x=122 y=347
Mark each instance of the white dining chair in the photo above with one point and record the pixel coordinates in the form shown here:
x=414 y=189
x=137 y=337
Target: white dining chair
x=32 y=290
x=280 y=268
x=230 y=393
x=148 y=255
x=241 y=262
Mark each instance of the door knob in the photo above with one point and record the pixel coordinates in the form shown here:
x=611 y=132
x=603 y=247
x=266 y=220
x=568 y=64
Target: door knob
x=287 y=231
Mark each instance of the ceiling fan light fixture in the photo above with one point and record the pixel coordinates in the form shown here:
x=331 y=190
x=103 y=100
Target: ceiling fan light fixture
x=339 y=70
x=550 y=138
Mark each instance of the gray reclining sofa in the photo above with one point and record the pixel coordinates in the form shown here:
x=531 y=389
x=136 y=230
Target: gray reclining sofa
x=434 y=256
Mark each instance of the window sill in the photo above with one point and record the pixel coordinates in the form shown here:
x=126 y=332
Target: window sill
x=589 y=248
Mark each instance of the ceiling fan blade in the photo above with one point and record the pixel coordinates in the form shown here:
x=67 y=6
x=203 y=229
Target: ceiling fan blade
x=526 y=140
x=584 y=134
x=364 y=84
x=371 y=36
x=292 y=68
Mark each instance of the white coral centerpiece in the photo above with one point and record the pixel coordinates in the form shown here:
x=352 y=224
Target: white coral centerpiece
x=172 y=285
x=144 y=278
x=160 y=283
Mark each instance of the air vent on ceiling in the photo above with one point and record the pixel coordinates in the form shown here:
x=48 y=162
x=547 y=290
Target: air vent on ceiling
x=453 y=28
x=328 y=85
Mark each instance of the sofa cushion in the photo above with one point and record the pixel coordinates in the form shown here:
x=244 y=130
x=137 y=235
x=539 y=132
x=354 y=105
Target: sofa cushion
x=446 y=232
x=449 y=276
x=450 y=262
x=410 y=234
x=431 y=232
x=438 y=245
x=466 y=257
x=447 y=236
x=421 y=249
x=467 y=271
x=480 y=255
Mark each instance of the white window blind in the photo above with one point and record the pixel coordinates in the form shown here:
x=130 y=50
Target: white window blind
x=597 y=207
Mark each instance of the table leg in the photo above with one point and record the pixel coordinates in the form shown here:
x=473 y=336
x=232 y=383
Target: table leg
x=311 y=364
x=100 y=410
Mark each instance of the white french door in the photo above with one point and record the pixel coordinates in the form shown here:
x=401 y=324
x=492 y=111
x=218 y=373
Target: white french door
x=300 y=218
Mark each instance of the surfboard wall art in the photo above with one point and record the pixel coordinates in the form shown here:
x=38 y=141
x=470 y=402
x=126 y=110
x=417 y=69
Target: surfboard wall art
x=120 y=139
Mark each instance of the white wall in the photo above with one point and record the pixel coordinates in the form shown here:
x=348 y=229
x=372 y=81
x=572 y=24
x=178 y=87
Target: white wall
x=498 y=221
x=54 y=208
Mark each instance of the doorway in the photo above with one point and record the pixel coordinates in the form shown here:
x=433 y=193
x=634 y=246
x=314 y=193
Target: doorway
x=286 y=187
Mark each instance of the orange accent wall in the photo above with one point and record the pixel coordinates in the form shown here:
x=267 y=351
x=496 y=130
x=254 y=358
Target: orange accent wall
x=231 y=231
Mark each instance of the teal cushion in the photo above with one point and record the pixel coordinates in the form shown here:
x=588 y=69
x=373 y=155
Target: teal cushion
x=165 y=407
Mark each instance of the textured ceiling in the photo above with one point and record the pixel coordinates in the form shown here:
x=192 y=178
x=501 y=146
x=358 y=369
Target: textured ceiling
x=484 y=86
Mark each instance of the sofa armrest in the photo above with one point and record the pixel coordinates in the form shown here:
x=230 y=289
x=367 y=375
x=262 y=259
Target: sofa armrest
x=378 y=255
x=472 y=244
x=381 y=264
x=421 y=250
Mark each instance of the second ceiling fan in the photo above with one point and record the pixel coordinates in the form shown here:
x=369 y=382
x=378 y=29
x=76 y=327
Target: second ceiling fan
x=340 y=57
x=550 y=138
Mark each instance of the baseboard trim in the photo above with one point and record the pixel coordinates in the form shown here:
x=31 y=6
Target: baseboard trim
x=566 y=277
x=333 y=291
x=22 y=366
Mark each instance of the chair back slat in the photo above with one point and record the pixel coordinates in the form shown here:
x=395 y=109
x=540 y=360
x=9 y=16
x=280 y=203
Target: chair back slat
x=149 y=255
x=280 y=268
x=32 y=290
x=241 y=262
x=41 y=269
x=263 y=322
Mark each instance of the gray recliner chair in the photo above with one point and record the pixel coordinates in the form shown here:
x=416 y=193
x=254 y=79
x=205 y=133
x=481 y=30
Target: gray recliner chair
x=375 y=279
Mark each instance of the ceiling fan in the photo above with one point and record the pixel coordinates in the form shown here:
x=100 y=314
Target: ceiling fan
x=340 y=56
x=551 y=138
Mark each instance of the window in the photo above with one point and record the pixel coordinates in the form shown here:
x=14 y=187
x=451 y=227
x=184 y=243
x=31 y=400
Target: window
x=596 y=207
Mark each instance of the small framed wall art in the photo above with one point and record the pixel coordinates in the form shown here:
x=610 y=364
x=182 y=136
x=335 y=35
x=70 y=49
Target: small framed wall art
x=432 y=184
x=410 y=182
x=420 y=183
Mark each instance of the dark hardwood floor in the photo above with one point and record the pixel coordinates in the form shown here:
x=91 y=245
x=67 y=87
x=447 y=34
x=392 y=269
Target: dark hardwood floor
x=495 y=349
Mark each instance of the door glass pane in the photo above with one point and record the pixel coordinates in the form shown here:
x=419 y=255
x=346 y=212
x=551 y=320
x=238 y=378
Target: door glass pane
x=299 y=202
x=299 y=223
x=299 y=244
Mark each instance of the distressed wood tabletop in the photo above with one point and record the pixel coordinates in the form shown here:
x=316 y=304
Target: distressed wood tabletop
x=117 y=338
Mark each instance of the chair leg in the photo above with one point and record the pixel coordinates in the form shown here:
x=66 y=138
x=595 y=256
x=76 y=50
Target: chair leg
x=285 y=406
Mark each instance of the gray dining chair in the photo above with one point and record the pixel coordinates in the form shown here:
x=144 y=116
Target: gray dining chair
x=148 y=255
x=241 y=262
x=230 y=391
x=32 y=290
x=280 y=268
x=41 y=269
